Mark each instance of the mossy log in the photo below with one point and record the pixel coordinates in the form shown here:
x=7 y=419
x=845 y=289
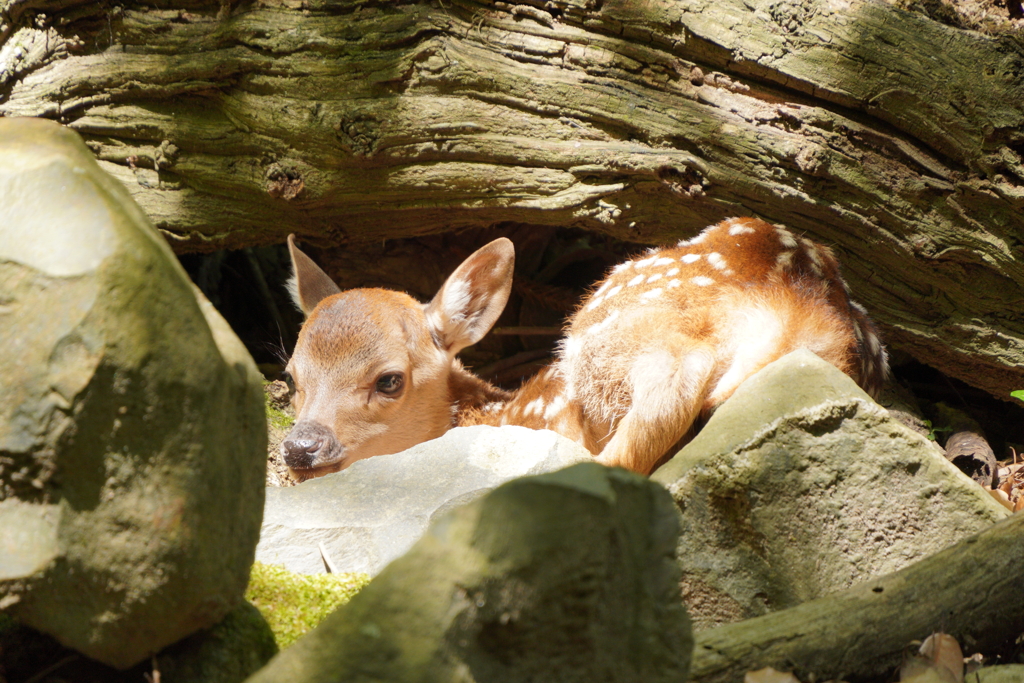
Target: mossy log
x=895 y=138
x=973 y=591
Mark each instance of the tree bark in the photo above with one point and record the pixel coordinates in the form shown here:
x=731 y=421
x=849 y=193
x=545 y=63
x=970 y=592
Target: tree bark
x=892 y=137
x=973 y=591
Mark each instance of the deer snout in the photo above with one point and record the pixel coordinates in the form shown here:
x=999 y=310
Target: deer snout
x=311 y=445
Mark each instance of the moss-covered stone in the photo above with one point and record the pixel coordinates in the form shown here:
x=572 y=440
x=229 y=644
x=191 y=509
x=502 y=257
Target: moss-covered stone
x=564 y=577
x=132 y=426
x=800 y=486
x=228 y=652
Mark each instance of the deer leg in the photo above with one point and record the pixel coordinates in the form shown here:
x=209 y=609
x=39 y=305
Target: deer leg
x=668 y=386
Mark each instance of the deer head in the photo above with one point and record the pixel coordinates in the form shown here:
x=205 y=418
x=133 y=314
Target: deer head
x=373 y=369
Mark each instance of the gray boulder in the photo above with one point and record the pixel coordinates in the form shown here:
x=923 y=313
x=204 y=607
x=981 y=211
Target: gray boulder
x=564 y=577
x=1007 y=673
x=800 y=486
x=371 y=513
x=132 y=432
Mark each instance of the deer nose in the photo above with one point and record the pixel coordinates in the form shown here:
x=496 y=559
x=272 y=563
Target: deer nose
x=297 y=448
x=310 y=445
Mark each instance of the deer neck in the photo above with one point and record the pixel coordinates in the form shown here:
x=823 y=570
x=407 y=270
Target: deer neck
x=469 y=395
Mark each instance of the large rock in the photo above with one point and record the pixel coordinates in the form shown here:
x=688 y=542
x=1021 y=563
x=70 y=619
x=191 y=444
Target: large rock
x=367 y=515
x=132 y=432
x=564 y=577
x=231 y=651
x=1007 y=673
x=799 y=486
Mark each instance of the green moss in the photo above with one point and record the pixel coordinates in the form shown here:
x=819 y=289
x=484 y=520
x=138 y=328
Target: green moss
x=277 y=418
x=295 y=603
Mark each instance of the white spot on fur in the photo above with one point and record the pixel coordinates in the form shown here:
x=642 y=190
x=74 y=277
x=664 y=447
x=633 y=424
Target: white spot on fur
x=613 y=291
x=740 y=229
x=690 y=258
x=635 y=281
x=874 y=345
x=622 y=266
x=654 y=278
x=786 y=237
x=702 y=281
x=646 y=262
x=699 y=238
x=601 y=326
x=663 y=261
x=594 y=303
x=784 y=260
x=555 y=407
x=817 y=265
x=652 y=293
x=673 y=284
x=606 y=285
x=571 y=347
x=534 y=407
x=716 y=260
x=671 y=272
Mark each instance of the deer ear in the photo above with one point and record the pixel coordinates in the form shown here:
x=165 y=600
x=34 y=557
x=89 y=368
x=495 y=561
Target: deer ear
x=308 y=285
x=473 y=297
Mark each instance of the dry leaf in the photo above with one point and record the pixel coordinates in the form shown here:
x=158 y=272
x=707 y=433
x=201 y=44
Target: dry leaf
x=769 y=675
x=940 y=660
x=1000 y=495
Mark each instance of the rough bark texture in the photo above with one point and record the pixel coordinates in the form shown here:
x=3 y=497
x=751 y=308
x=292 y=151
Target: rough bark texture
x=973 y=590
x=893 y=137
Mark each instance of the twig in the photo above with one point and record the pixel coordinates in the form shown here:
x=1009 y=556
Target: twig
x=50 y=669
x=331 y=568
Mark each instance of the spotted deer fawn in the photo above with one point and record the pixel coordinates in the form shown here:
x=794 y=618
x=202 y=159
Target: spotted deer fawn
x=662 y=341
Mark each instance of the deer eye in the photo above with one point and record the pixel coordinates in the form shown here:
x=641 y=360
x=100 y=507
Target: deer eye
x=289 y=380
x=390 y=384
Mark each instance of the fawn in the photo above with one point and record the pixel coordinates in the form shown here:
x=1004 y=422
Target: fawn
x=660 y=342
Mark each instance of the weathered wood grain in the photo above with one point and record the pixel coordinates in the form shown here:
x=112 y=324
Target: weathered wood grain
x=895 y=138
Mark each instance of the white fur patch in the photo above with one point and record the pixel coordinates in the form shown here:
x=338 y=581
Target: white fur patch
x=601 y=326
x=673 y=284
x=554 y=408
x=663 y=261
x=702 y=281
x=690 y=258
x=594 y=303
x=622 y=266
x=654 y=278
x=456 y=300
x=571 y=347
x=646 y=262
x=671 y=272
x=613 y=291
x=784 y=260
x=817 y=265
x=716 y=260
x=606 y=285
x=534 y=407
x=786 y=237
x=741 y=229
x=652 y=293
x=755 y=335
x=635 y=281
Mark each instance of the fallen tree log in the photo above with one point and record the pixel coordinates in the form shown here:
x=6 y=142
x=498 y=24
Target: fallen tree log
x=973 y=591
x=896 y=138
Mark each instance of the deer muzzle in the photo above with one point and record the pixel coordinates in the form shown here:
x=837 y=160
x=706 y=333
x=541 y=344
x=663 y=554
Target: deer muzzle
x=311 y=445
